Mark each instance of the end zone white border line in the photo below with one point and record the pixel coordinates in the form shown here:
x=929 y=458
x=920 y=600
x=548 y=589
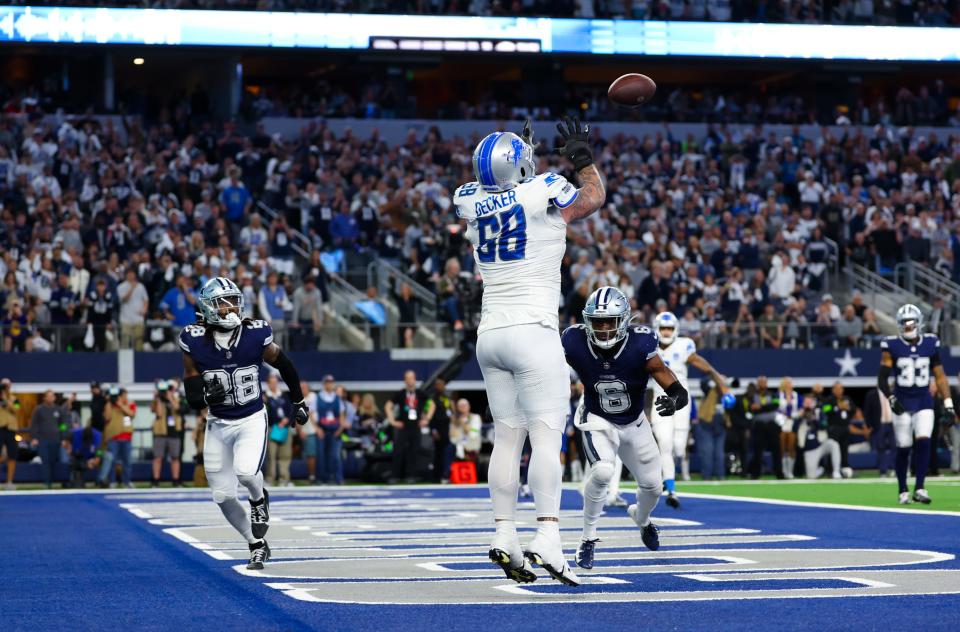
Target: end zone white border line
x=804 y=503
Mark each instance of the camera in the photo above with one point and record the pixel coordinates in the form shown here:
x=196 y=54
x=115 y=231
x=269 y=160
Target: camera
x=114 y=394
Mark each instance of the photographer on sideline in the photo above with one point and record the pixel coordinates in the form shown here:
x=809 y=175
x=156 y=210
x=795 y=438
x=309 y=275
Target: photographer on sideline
x=119 y=414
x=9 y=406
x=85 y=454
x=167 y=432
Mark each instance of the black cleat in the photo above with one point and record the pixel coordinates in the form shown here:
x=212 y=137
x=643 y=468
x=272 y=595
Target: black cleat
x=650 y=535
x=522 y=574
x=673 y=501
x=560 y=572
x=584 y=556
x=260 y=515
x=259 y=553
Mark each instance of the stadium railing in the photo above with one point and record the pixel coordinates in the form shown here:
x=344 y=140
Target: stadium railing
x=356 y=332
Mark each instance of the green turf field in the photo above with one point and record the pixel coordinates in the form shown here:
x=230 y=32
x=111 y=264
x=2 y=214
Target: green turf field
x=945 y=492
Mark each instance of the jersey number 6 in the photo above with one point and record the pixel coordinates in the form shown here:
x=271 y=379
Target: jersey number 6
x=498 y=237
x=613 y=395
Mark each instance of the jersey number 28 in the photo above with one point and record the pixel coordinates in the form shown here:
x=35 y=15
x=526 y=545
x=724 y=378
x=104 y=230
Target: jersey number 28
x=913 y=372
x=503 y=234
x=242 y=385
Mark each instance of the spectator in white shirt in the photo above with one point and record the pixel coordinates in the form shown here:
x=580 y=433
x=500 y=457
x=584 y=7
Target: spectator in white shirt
x=781 y=279
x=811 y=191
x=134 y=302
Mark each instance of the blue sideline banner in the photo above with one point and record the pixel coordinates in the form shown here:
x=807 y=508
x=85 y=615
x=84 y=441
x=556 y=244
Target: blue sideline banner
x=459 y=34
x=59 y=367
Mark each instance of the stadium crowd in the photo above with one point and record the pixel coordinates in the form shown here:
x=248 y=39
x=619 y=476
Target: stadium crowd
x=878 y=12
x=111 y=231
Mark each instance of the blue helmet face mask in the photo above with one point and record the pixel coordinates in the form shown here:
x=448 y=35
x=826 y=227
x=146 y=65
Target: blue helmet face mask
x=221 y=303
x=503 y=160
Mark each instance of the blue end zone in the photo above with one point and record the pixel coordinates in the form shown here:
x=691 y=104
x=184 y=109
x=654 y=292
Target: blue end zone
x=81 y=562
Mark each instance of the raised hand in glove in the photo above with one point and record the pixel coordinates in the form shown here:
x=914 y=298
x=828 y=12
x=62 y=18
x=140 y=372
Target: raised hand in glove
x=666 y=406
x=896 y=406
x=527 y=133
x=576 y=143
x=214 y=393
x=300 y=413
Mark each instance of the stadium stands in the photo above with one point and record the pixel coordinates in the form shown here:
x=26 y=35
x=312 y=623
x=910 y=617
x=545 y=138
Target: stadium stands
x=723 y=220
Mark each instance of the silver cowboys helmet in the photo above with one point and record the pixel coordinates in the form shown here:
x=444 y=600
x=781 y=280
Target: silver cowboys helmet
x=910 y=321
x=666 y=320
x=221 y=303
x=502 y=160
x=606 y=317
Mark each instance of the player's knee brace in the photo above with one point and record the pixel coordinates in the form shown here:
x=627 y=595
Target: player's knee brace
x=601 y=473
x=220 y=496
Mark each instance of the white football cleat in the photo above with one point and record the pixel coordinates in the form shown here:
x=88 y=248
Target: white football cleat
x=904 y=498
x=836 y=475
x=921 y=496
x=506 y=553
x=847 y=472
x=544 y=551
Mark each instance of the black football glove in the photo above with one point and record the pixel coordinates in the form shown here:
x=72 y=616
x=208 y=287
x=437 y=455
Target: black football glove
x=576 y=143
x=214 y=393
x=896 y=406
x=527 y=133
x=666 y=406
x=949 y=416
x=300 y=413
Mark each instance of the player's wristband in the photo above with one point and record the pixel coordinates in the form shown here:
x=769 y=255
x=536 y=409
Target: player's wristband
x=948 y=403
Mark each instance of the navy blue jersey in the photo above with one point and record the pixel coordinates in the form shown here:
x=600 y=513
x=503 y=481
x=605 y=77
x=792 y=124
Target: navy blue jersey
x=614 y=387
x=238 y=367
x=912 y=369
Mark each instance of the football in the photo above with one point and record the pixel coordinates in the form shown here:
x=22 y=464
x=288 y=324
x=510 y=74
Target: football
x=631 y=90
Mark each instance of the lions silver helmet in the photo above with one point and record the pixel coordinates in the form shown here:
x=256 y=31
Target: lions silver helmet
x=669 y=321
x=909 y=322
x=502 y=160
x=218 y=294
x=606 y=304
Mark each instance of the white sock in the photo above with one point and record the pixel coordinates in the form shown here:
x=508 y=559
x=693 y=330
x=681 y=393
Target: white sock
x=236 y=514
x=595 y=491
x=549 y=528
x=507 y=528
x=503 y=476
x=647 y=498
x=545 y=474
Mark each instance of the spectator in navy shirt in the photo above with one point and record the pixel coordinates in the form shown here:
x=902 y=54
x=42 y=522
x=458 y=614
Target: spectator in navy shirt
x=101 y=305
x=84 y=453
x=63 y=302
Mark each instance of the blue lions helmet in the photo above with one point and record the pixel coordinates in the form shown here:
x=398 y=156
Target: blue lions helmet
x=909 y=322
x=606 y=317
x=502 y=160
x=221 y=303
x=729 y=400
x=666 y=320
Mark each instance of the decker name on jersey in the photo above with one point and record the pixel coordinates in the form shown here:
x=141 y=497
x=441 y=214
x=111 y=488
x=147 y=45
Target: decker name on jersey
x=614 y=387
x=913 y=364
x=519 y=238
x=237 y=367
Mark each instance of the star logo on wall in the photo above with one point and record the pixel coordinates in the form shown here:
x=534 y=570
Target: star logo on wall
x=848 y=364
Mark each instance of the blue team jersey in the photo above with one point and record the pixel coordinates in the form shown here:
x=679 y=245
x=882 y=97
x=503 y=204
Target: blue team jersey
x=238 y=367
x=614 y=387
x=912 y=368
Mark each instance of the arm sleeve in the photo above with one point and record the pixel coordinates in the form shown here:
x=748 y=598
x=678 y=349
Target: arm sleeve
x=883 y=380
x=289 y=376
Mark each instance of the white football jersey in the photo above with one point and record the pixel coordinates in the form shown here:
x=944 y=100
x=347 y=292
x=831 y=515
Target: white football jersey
x=519 y=239
x=675 y=356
